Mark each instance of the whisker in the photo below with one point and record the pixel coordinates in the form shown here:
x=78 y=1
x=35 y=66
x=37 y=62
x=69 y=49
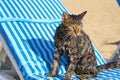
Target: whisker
x=66 y=36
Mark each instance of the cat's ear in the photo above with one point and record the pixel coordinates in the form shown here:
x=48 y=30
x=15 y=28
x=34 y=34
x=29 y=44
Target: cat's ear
x=82 y=15
x=65 y=16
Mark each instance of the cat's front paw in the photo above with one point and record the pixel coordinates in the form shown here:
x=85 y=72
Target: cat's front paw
x=67 y=78
x=50 y=75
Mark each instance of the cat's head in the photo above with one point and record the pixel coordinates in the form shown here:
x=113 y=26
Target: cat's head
x=73 y=23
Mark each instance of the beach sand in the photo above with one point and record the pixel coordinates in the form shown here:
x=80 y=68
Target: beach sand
x=101 y=23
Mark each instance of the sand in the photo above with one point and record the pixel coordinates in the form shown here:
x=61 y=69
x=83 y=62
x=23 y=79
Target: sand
x=101 y=23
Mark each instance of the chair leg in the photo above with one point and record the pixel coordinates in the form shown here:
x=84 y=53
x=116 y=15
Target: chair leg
x=3 y=55
x=116 y=55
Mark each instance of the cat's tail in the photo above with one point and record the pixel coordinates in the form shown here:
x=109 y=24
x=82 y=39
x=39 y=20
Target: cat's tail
x=109 y=65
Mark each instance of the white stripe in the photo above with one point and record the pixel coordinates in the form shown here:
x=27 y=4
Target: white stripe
x=46 y=31
x=56 y=10
x=33 y=55
x=36 y=14
x=6 y=9
x=2 y=12
x=62 y=6
x=44 y=8
x=40 y=46
x=22 y=4
x=38 y=6
x=54 y=26
x=45 y=50
x=98 y=60
x=18 y=11
x=51 y=31
x=18 y=39
x=29 y=29
x=27 y=34
x=36 y=31
x=41 y=67
x=21 y=8
x=45 y=2
x=10 y=36
x=14 y=43
x=35 y=46
x=39 y=28
x=30 y=9
x=11 y=9
x=36 y=77
x=21 y=44
x=18 y=28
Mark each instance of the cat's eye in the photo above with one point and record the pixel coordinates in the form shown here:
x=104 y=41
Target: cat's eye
x=70 y=28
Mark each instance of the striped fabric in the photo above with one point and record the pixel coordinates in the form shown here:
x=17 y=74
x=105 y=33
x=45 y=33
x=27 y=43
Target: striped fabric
x=28 y=26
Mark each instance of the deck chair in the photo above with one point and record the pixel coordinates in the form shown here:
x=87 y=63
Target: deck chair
x=27 y=28
x=116 y=55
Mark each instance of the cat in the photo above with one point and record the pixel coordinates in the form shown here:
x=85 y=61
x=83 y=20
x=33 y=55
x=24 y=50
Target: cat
x=71 y=39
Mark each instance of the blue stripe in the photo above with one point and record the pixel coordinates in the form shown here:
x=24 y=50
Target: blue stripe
x=8 y=7
x=45 y=9
x=31 y=10
x=27 y=10
x=24 y=10
x=43 y=13
x=18 y=45
x=51 y=30
x=3 y=8
x=14 y=9
x=39 y=44
x=56 y=9
x=21 y=25
x=34 y=40
x=34 y=10
x=42 y=47
x=61 y=6
x=15 y=37
x=18 y=9
x=50 y=10
x=40 y=10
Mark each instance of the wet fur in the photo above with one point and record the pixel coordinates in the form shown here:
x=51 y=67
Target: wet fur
x=71 y=39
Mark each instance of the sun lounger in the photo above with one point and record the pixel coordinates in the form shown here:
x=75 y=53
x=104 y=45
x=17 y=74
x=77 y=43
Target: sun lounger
x=27 y=28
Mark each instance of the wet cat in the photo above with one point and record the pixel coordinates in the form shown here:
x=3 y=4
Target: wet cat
x=71 y=39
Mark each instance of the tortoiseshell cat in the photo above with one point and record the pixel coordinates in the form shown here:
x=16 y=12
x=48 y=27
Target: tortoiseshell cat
x=71 y=39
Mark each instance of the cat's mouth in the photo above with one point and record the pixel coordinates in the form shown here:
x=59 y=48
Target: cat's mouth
x=75 y=32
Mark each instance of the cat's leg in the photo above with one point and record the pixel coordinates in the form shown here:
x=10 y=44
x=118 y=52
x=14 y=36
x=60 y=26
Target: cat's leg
x=87 y=67
x=71 y=67
x=87 y=71
x=84 y=76
x=57 y=55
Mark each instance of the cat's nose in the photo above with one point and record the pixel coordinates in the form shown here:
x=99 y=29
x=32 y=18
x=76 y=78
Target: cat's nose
x=77 y=31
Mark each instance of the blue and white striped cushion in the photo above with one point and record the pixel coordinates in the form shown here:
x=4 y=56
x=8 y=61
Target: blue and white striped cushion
x=28 y=27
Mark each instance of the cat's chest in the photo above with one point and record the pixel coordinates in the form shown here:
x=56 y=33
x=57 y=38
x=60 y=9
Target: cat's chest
x=74 y=45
